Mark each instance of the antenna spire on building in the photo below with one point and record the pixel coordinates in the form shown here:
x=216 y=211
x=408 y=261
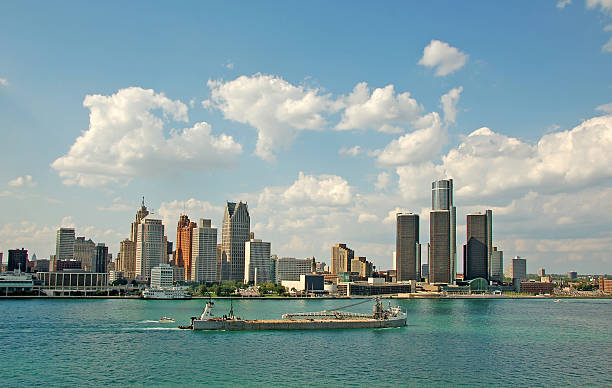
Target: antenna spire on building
x=143 y=201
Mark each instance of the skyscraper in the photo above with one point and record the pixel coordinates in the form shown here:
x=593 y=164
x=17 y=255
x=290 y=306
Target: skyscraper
x=140 y=214
x=236 y=230
x=149 y=246
x=184 y=242
x=341 y=257
x=204 y=253
x=442 y=199
x=64 y=244
x=497 y=266
x=439 y=247
x=476 y=250
x=257 y=261
x=127 y=255
x=101 y=257
x=407 y=247
x=84 y=251
x=17 y=259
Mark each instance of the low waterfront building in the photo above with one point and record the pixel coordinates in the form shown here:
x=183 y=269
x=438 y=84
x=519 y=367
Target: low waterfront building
x=64 y=265
x=115 y=275
x=374 y=286
x=307 y=283
x=69 y=282
x=537 y=287
x=162 y=276
x=605 y=285
x=15 y=282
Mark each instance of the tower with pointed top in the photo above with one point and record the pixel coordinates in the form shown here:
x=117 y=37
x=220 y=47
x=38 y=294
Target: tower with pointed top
x=184 y=241
x=235 y=232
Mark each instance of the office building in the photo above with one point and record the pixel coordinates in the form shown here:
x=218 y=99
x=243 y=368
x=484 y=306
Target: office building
x=341 y=257
x=440 y=262
x=140 y=214
x=442 y=199
x=84 y=251
x=497 y=266
x=424 y=270
x=572 y=275
x=257 y=261
x=476 y=258
x=127 y=258
x=289 y=268
x=541 y=272
x=605 y=285
x=149 y=246
x=407 y=247
x=362 y=267
x=184 y=243
x=101 y=259
x=162 y=276
x=17 y=260
x=306 y=283
x=64 y=244
x=204 y=253
x=235 y=232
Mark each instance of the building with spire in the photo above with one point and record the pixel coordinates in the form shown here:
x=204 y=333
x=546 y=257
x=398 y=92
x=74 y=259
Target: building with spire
x=140 y=214
x=235 y=232
x=184 y=242
x=150 y=247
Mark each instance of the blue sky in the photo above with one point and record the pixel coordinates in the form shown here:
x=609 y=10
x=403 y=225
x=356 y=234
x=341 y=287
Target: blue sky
x=535 y=73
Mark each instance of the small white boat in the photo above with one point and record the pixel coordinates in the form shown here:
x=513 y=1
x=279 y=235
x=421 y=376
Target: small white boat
x=166 y=320
x=557 y=300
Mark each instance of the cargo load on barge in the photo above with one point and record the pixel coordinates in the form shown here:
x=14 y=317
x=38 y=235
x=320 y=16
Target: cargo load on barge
x=381 y=317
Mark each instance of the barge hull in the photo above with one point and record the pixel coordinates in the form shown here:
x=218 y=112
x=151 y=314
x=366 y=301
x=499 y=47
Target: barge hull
x=296 y=325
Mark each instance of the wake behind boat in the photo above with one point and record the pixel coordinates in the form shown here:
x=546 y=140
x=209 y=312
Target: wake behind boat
x=381 y=317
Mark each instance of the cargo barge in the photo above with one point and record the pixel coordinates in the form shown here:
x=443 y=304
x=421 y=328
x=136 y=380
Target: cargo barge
x=381 y=317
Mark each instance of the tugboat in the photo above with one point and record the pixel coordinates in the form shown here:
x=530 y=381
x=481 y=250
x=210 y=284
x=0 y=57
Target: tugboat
x=381 y=317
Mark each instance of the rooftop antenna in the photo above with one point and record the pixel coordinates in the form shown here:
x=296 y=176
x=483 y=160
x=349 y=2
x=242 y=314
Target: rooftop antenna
x=143 y=201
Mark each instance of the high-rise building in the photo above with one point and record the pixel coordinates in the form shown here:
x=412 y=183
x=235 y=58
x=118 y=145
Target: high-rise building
x=439 y=247
x=362 y=266
x=149 y=246
x=497 y=266
x=184 y=242
x=84 y=251
x=140 y=214
x=442 y=199
x=407 y=247
x=17 y=260
x=101 y=258
x=572 y=275
x=519 y=268
x=235 y=231
x=289 y=268
x=341 y=257
x=127 y=258
x=257 y=261
x=204 y=253
x=476 y=259
x=64 y=244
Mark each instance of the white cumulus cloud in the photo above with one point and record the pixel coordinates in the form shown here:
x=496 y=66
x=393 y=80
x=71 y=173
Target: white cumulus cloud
x=383 y=109
x=607 y=48
x=563 y=3
x=273 y=106
x=353 y=151
x=319 y=189
x=126 y=139
x=605 y=6
x=449 y=104
x=22 y=181
x=3 y=81
x=424 y=143
x=606 y=108
x=444 y=57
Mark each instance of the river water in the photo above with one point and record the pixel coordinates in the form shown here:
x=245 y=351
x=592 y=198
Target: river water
x=109 y=342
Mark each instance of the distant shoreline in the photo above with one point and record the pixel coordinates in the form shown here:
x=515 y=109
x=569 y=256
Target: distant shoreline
x=415 y=296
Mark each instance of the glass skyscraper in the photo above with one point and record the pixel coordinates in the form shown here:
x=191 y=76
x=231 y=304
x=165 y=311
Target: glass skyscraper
x=442 y=199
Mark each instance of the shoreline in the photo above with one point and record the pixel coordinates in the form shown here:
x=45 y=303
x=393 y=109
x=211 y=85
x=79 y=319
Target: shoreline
x=405 y=296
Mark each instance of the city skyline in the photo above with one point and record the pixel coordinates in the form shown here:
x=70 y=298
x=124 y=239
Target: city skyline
x=326 y=137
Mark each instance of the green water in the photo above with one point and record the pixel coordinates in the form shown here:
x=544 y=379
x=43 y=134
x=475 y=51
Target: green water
x=446 y=343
